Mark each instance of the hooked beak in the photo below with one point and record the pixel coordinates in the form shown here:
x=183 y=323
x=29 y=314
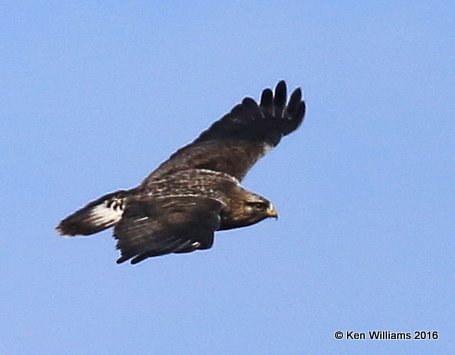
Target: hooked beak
x=271 y=212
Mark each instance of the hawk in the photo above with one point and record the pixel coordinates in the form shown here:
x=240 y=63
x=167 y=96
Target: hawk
x=197 y=191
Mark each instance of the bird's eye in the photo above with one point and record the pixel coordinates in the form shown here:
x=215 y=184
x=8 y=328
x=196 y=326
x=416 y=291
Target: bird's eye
x=258 y=205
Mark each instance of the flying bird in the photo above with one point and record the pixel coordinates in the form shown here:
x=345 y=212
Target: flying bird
x=178 y=207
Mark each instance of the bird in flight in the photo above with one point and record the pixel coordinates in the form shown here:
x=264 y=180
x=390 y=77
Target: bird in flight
x=197 y=191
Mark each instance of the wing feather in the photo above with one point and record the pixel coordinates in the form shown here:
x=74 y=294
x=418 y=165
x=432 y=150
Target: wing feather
x=152 y=227
x=235 y=142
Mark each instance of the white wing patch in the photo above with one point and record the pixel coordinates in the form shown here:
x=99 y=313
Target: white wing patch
x=107 y=213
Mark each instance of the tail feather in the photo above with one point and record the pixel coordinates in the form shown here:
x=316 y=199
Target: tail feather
x=95 y=216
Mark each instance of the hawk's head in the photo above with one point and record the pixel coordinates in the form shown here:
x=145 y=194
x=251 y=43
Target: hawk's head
x=248 y=209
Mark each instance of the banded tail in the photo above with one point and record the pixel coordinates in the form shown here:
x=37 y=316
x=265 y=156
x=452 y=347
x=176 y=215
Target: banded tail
x=95 y=216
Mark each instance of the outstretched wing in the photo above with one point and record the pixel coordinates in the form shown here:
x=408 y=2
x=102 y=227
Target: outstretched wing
x=173 y=224
x=235 y=142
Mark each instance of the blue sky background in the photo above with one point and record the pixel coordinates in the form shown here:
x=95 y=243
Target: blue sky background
x=95 y=94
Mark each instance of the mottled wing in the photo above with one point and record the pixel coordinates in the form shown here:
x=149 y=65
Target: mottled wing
x=174 y=224
x=235 y=142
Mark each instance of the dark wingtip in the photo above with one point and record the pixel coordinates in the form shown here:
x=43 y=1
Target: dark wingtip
x=280 y=85
x=294 y=110
x=302 y=109
x=250 y=104
x=267 y=101
x=122 y=259
x=139 y=258
x=296 y=97
x=134 y=258
x=280 y=94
